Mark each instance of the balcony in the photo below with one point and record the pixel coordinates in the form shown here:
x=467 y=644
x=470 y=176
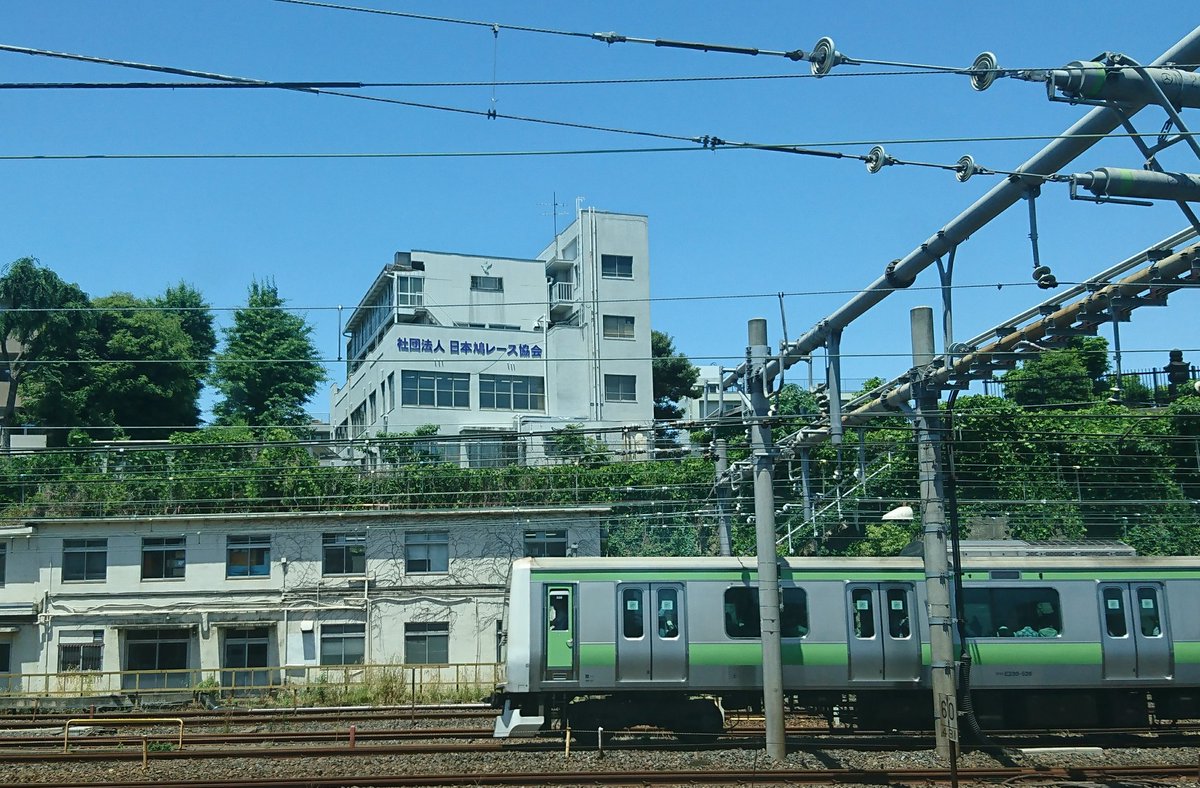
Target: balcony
x=562 y=299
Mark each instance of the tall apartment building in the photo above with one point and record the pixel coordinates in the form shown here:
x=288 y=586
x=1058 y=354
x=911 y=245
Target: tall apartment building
x=500 y=351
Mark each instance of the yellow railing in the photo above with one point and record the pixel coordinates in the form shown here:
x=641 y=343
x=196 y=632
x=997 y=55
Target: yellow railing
x=290 y=684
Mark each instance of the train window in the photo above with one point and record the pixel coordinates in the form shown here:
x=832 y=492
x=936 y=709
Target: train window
x=793 y=620
x=864 y=615
x=741 y=612
x=631 y=613
x=668 y=613
x=1114 y=612
x=559 y=614
x=1148 y=616
x=1012 y=612
x=897 y=603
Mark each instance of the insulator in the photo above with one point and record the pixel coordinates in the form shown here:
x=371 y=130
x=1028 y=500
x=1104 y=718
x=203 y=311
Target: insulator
x=1040 y=271
x=1095 y=81
x=877 y=159
x=966 y=165
x=1144 y=184
x=824 y=57
x=1047 y=282
x=985 y=72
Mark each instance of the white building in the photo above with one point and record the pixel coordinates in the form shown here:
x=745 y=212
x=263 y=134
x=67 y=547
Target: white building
x=140 y=604
x=492 y=349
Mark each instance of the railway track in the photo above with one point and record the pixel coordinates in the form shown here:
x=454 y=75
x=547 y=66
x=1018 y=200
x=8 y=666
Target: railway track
x=693 y=777
x=260 y=717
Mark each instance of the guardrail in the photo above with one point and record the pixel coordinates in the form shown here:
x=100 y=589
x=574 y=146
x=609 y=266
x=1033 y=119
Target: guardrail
x=297 y=684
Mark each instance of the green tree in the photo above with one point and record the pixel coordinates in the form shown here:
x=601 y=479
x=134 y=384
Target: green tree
x=42 y=355
x=196 y=319
x=269 y=368
x=143 y=382
x=674 y=377
x=1067 y=377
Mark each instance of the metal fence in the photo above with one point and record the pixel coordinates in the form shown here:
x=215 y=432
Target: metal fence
x=1139 y=387
x=286 y=684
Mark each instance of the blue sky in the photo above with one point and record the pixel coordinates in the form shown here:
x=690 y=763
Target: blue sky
x=728 y=229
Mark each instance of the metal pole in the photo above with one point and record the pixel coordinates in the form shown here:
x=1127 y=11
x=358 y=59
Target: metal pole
x=764 y=531
x=933 y=528
x=721 y=449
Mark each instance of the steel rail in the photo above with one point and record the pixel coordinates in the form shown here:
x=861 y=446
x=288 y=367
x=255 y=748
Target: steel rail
x=903 y=272
x=691 y=777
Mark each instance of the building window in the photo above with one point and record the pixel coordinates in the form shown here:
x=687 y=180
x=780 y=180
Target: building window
x=372 y=407
x=427 y=643
x=618 y=327
x=344 y=553
x=3 y=563
x=616 y=266
x=435 y=389
x=156 y=650
x=488 y=284
x=163 y=558
x=248 y=556
x=85 y=559
x=391 y=389
x=358 y=420
x=540 y=544
x=511 y=392
x=246 y=649
x=426 y=552
x=343 y=644
x=82 y=656
x=410 y=290
x=490 y=451
x=620 y=388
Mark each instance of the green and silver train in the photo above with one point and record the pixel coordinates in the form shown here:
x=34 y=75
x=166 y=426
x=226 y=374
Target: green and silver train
x=673 y=642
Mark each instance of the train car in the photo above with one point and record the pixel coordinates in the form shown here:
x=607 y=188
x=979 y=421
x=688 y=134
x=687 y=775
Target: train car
x=673 y=642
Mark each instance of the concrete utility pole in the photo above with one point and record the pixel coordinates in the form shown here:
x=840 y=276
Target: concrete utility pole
x=721 y=452
x=764 y=532
x=940 y=614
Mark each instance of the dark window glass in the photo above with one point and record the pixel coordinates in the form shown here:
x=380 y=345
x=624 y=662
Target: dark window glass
x=80 y=656
x=632 y=625
x=620 y=388
x=163 y=558
x=344 y=553
x=426 y=552
x=1012 y=612
x=793 y=621
x=343 y=644
x=512 y=392
x=864 y=613
x=3 y=563
x=157 y=649
x=560 y=614
x=85 y=559
x=488 y=284
x=668 y=613
x=741 y=612
x=435 y=389
x=899 y=625
x=1149 y=620
x=1113 y=600
x=616 y=266
x=427 y=643
x=539 y=544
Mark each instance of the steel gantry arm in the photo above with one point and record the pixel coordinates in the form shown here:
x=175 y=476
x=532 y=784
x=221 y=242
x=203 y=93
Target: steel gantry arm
x=903 y=272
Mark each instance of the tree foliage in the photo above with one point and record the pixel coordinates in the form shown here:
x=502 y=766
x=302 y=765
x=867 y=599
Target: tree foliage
x=1070 y=376
x=674 y=377
x=269 y=367
x=44 y=354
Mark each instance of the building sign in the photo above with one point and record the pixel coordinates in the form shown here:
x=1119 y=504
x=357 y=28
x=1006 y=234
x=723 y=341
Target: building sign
x=459 y=347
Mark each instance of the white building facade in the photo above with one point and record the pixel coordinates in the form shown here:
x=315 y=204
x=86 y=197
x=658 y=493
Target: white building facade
x=500 y=351
x=123 y=605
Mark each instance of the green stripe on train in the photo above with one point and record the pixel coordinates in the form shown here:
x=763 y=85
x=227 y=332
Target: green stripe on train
x=1032 y=651
x=684 y=575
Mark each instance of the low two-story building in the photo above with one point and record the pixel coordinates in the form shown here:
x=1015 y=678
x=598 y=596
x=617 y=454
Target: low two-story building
x=146 y=603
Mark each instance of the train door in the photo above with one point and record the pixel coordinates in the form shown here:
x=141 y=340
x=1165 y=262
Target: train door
x=560 y=633
x=882 y=632
x=1134 y=634
x=651 y=622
